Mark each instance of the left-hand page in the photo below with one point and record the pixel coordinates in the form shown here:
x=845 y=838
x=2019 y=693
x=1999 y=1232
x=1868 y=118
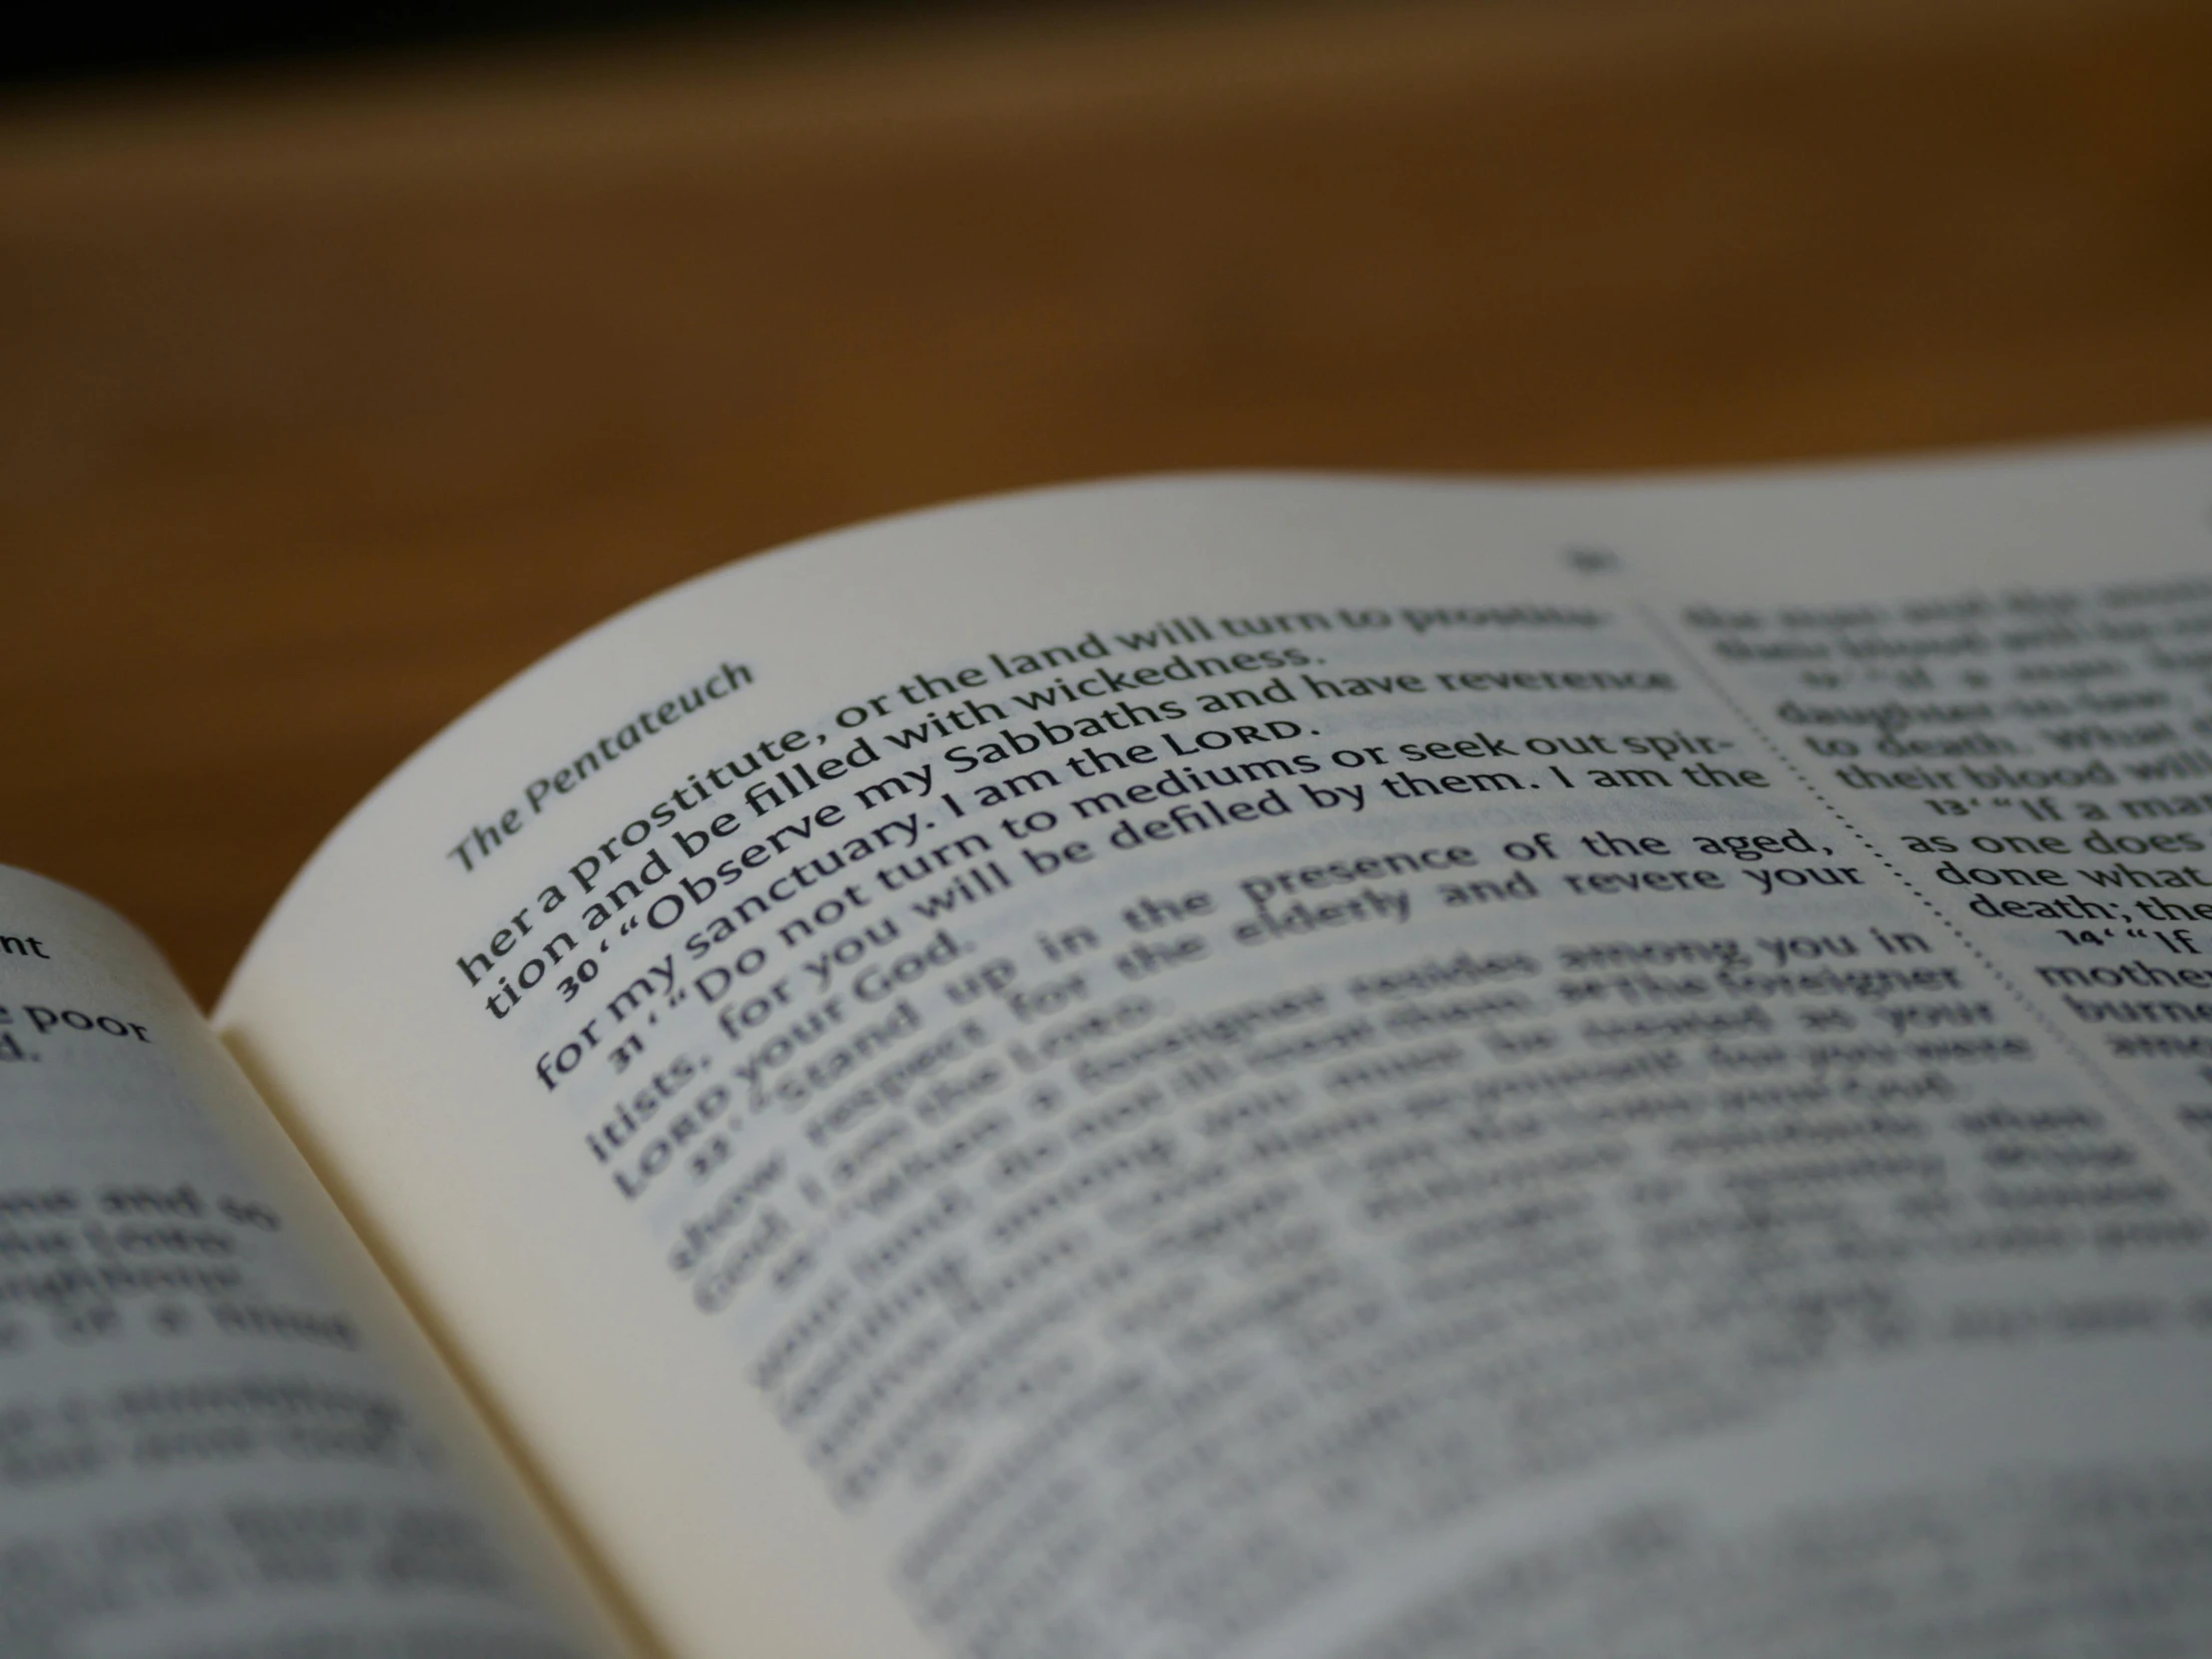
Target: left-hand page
x=203 y=1452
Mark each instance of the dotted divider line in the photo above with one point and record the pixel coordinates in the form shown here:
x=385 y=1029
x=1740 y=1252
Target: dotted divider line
x=2190 y=1161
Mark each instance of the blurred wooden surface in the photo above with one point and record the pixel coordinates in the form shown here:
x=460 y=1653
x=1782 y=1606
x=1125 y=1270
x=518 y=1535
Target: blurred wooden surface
x=327 y=404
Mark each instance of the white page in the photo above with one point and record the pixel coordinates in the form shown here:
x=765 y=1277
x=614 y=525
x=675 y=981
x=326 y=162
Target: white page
x=1158 y=1231
x=203 y=1453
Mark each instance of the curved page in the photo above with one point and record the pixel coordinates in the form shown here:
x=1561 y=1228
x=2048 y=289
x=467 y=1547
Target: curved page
x=1309 y=1067
x=199 y=1457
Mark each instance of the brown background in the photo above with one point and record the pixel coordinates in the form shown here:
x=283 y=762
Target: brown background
x=327 y=403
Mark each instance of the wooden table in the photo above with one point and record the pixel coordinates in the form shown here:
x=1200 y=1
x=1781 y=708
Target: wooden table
x=329 y=403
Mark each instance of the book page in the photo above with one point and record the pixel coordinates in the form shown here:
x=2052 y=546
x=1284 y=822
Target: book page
x=199 y=1456
x=1296 y=1067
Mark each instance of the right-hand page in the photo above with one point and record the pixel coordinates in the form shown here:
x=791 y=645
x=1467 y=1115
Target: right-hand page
x=1308 y=1068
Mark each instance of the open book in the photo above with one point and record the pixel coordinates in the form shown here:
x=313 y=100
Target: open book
x=1219 y=1066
